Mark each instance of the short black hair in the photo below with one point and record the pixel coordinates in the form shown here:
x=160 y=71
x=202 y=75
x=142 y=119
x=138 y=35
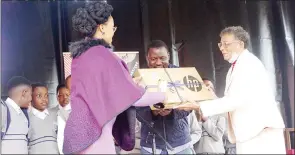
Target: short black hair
x=59 y=87
x=207 y=79
x=35 y=85
x=157 y=44
x=17 y=81
x=89 y=17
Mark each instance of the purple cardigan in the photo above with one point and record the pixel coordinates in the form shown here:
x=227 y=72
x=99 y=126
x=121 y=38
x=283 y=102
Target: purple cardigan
x=101 y=90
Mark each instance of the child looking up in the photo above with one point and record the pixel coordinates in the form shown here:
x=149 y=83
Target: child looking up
x=43 y=126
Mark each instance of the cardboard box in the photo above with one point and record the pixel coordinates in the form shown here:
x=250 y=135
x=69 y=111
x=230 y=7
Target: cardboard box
x=184 y=84
x=131 y=59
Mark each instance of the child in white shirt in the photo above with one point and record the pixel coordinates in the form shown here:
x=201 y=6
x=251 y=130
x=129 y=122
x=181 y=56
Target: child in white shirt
x=43 y=123
x=64 y=109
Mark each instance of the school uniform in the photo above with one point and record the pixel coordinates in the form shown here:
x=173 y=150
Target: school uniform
x=195 y=128
x=43 y=132
x=62 y=116
x=15 y=139
x=211 y=141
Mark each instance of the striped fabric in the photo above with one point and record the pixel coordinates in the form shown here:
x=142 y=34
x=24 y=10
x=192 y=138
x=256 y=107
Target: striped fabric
x=130 y=58
x=67 y=63
x=15 y=140
x=43 y=134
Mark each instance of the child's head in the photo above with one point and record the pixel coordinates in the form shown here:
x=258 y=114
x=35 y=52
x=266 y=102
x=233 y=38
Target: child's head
x=40 y=96
x=20 y=91
x=63 y=95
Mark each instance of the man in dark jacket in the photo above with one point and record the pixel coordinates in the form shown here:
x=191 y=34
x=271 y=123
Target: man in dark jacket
x=170 y=123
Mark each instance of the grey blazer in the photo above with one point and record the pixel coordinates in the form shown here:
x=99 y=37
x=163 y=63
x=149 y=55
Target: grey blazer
x=212 y=133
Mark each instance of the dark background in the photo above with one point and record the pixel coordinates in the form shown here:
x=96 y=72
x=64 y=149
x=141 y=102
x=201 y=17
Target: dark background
x=34 y=35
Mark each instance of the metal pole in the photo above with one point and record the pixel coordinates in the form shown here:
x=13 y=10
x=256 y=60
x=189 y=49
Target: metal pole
x=174 y=53
x=60 y=23
x=145 y=23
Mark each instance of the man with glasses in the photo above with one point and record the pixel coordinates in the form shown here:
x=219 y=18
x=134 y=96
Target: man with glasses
x=254 y=120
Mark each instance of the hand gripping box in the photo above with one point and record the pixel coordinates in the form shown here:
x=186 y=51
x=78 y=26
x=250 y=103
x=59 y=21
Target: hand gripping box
x=184 y=84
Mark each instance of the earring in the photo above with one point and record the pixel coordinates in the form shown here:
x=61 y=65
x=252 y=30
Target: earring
x=102 y=33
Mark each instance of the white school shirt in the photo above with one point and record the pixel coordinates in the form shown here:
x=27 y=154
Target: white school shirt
x=62 y=117
x=40 y=114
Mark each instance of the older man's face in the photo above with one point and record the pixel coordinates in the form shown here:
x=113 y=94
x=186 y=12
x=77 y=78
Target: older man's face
x=229 y=45
x=158 y=58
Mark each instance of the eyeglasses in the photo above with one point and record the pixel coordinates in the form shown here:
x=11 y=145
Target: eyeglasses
x=226 y=44
x=115 y=28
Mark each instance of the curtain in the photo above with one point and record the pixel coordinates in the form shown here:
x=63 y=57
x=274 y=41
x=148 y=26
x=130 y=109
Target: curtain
x=28 y=45
x=34 y=35
x=283 y=12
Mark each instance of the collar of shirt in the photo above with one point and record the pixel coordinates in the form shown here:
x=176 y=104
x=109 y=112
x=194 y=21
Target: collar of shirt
x=14 y=105
x=66 y=108
x=40 y=114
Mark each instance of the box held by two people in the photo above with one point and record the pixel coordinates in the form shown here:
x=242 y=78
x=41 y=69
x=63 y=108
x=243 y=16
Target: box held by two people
x=183 y=85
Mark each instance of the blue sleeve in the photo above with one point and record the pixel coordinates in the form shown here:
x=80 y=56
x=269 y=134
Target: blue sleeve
x=178 y=114
x=144 y=114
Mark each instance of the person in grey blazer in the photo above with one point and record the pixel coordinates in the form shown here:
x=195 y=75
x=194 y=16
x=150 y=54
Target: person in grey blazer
x=211 y=141
x=195 y=129
x=213 y=128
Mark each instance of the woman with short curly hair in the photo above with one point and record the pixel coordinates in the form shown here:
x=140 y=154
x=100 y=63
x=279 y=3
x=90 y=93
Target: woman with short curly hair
x=102 y=90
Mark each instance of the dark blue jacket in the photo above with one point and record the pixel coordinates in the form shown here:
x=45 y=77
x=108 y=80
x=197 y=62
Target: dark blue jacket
x=173 y=127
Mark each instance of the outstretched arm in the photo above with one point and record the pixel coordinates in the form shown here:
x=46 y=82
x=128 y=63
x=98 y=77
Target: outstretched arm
x=150 y=98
